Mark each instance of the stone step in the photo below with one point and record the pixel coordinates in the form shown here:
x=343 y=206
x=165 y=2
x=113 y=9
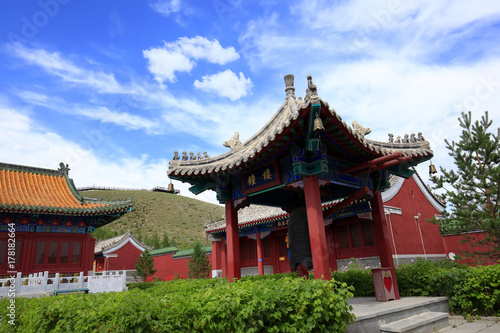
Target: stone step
x=426 y=322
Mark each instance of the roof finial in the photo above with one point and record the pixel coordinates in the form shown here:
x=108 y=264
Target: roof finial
x=290 y=90
x=311 y=91
x=63 y=169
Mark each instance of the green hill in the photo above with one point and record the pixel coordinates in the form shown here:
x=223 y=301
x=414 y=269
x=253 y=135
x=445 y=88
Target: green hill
x=156 y=213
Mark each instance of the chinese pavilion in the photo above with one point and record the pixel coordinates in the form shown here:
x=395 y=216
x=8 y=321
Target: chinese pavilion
x=304 y=149
x=48 y=221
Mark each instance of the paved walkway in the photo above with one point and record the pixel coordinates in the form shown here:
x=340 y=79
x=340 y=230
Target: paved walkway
x=460 y=325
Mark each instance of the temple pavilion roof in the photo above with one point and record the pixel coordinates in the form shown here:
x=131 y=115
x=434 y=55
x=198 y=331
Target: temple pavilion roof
x=290 y=123
x=30 y=190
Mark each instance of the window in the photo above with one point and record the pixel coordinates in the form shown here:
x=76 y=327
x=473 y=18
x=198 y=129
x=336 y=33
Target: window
x=344 y=237
x=355 y=235
x=64 y=258
x=3 y=252
x=40 y=253
x=54 y=252
x=252 y=249
x=355 y=239
x=75 y=259
x=52 y=258
x=368 y=233
x=267 y=247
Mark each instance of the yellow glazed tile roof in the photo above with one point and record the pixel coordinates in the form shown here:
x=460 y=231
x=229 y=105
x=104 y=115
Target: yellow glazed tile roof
x=46 y=192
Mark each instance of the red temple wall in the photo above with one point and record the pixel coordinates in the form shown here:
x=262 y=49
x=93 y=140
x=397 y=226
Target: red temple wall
x=452 y=244
x=406 y=231
x=127 y=256
x=169 y=268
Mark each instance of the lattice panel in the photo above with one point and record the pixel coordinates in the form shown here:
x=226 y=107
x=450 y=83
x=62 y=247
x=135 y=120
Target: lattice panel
x=64 y=258
x=52 y=258
x=3 y=252
x=343 y=236
x=75 y=256
x=19 y=248
x=368 y=233
x=355 y=235
x=40 y=253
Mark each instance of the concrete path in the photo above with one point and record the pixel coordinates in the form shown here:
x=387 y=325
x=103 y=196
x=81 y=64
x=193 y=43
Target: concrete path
x=460 y=325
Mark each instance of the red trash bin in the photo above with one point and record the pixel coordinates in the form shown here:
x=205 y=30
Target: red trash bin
x=382 y=281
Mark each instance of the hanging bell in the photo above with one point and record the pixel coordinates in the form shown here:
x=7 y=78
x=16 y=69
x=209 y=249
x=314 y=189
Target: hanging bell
x=432 y=169
x=170 y=188
x=318 y=125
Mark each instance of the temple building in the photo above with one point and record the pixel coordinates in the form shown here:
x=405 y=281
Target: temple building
x=118 y=253
x=45 y=224
x=304 y=159
x=407 y=203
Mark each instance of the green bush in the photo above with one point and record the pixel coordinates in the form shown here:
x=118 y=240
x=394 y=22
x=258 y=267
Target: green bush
x=285 y=304
x=360 y=279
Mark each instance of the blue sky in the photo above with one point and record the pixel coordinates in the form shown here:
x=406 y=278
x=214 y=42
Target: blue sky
x=113 y=88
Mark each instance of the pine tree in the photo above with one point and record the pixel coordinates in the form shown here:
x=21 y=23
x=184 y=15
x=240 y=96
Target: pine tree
x=199 y=266
x=473 y=189
x=145 y=265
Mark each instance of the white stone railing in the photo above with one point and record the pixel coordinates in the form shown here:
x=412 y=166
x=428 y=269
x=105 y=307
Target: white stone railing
x=41 y=283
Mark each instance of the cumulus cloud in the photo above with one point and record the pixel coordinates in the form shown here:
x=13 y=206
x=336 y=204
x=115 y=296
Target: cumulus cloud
x=180 y=56
x=225 y=84
x=163 y=63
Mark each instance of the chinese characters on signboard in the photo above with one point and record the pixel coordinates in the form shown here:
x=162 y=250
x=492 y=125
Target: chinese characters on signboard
x=261 y=178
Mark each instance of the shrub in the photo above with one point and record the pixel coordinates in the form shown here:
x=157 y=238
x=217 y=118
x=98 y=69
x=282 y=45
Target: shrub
x=285 y=304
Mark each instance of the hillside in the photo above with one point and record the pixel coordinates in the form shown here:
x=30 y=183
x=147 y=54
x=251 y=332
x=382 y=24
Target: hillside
x=182 y=218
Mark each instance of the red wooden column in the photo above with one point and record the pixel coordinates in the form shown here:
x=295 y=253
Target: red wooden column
x=260 y=262
x=382 y=238
x=316 y=225
x=233 y=242
x=223 y=257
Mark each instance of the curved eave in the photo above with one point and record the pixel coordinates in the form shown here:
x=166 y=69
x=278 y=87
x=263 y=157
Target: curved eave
x=222 y=228
x=94 y=211
x=288 y=123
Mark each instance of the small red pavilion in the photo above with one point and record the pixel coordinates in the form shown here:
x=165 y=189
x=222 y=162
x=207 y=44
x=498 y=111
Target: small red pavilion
x=48 y=221
x=305 y=149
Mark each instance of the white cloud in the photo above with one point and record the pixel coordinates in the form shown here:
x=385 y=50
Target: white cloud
x=26 y=143
x=100 y=113
x=166 y=8
x=201 y=48
x=163 y=64
x=225 y=84
x=178 y=56
x=55 y=64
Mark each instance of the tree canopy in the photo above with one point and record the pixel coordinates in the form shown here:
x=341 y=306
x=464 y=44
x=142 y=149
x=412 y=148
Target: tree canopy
x=199 y=266
x=145 y=265
x=472 y=188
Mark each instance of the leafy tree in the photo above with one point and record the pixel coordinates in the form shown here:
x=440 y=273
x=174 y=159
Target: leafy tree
x=145 y=265
x=473 y=189
x=199 y=266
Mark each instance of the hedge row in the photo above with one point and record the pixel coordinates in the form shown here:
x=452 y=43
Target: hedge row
x=277 y=304
x=470 y=290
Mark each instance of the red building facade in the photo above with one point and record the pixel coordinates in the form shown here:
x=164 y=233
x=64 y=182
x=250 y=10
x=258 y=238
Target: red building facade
x=46 y=221
x=118 y=253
